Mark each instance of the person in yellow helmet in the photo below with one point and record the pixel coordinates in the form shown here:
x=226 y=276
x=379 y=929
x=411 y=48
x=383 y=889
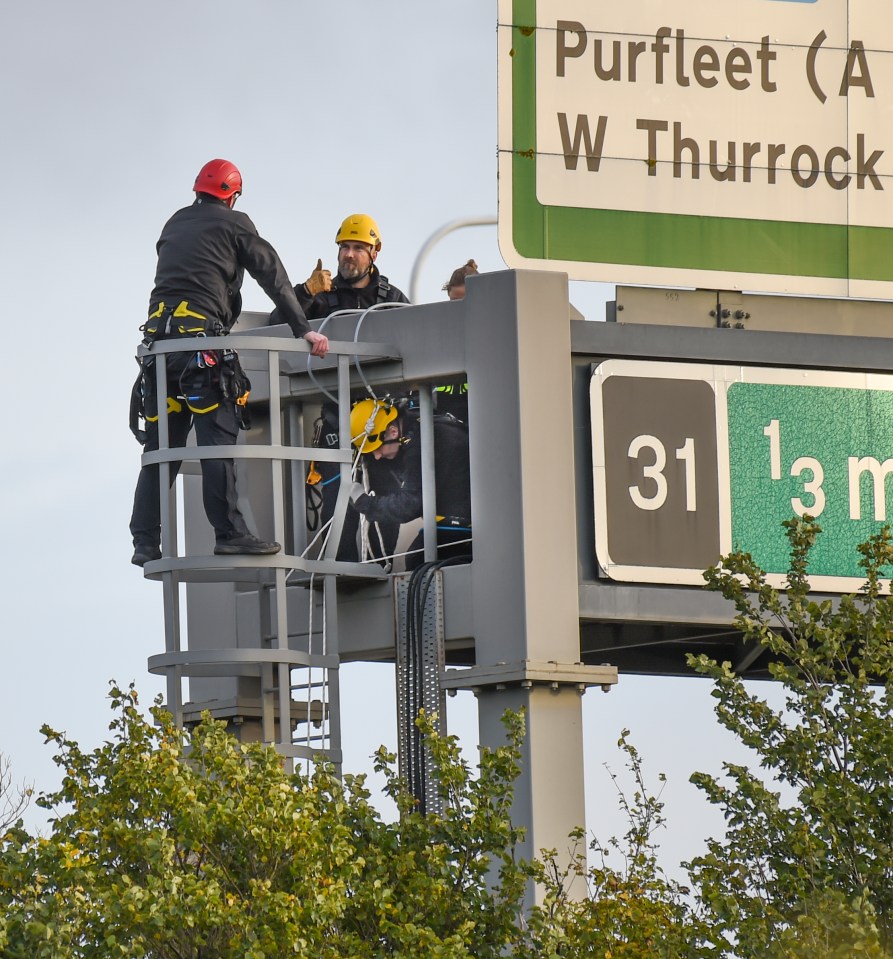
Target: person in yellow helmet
x=387 y=434
x=358 y=283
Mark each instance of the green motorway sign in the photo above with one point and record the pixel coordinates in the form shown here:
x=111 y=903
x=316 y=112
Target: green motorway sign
x=691 y=461
x=725 y=145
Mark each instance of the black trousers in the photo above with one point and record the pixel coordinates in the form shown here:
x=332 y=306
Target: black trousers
x=219 y=426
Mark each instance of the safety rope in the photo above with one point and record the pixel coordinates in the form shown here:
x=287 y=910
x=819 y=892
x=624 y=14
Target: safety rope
x=361 y=316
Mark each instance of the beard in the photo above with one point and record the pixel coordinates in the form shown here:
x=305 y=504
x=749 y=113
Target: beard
x=351 y=272
x=354 y=270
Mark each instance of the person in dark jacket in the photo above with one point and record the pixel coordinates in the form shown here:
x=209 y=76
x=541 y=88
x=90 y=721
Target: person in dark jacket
x=389 y=435
x=358 y=285
x=203 y=253
x=452 y=396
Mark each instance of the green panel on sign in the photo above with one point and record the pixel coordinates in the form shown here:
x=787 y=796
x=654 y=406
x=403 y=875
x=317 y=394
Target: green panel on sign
x=818 y=434
x=681 y=242
x=574 y=234
x=871 y=253
x=529 y=220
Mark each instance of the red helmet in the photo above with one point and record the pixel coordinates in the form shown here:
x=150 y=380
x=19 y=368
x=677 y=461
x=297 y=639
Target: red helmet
x=220 y=178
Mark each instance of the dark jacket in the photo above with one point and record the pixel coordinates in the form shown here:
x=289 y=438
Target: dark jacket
x=343 y=296
x=203 y=253
x=398 y=482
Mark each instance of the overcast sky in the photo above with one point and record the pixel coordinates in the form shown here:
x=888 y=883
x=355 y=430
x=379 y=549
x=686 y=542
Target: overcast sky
x=108 y=110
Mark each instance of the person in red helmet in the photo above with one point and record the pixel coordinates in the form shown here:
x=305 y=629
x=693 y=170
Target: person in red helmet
x=203 y=253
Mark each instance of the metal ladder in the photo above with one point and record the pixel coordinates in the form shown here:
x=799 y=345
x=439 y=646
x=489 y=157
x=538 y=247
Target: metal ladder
x=296 y=659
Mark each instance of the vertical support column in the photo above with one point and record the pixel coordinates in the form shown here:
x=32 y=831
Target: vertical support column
x=332 y=687
x=268 y=714
x=344 y=443
x=297 y=473
x=429 y=511
x=550 y=791
x=168 y=510
x=283 y=670
x=168 y=516
x=525 y=594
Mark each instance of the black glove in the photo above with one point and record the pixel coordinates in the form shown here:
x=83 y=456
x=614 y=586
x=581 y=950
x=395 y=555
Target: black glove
x=359 y=497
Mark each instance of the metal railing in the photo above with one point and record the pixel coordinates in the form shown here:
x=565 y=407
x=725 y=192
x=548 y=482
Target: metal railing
x=273 y=574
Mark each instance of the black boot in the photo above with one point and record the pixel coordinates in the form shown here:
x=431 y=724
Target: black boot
x=245 y=544
x=144 y=553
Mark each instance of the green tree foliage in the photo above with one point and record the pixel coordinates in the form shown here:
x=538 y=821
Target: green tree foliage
x=192 y=846
x=806 y=863
x=629 y=911
x=167 y=845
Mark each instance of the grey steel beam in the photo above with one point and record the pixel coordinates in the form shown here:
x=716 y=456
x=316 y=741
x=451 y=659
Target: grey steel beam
x=752 y=311
x=641 y=341
x=524 y=593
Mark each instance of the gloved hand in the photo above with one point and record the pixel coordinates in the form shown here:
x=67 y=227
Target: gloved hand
x=359 y=497
x=319 y=281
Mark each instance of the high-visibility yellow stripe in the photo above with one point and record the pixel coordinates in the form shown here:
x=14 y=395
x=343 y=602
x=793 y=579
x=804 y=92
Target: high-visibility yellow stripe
x=207 y=409
x=183 y=310
x=173 y=406
x=158 y=312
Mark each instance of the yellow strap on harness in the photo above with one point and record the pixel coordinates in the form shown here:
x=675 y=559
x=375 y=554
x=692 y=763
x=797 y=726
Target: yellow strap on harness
x=173 y=406
x=183 y=310
x=180 y=313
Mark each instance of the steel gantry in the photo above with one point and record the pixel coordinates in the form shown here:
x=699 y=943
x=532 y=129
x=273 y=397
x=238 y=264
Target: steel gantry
x=535 y=619
x=265 y=635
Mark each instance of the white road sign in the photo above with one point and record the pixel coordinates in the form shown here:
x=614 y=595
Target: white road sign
x=736 y=144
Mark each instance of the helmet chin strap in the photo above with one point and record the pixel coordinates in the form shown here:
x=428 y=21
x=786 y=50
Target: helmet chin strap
x=352 y=281
x=400 y=440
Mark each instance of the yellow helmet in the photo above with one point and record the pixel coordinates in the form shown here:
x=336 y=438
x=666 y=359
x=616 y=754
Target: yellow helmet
x=368 y=421
x=360 y=228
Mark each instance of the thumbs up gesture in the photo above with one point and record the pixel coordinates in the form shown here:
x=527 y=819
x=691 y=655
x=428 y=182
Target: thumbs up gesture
x=319 y=281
